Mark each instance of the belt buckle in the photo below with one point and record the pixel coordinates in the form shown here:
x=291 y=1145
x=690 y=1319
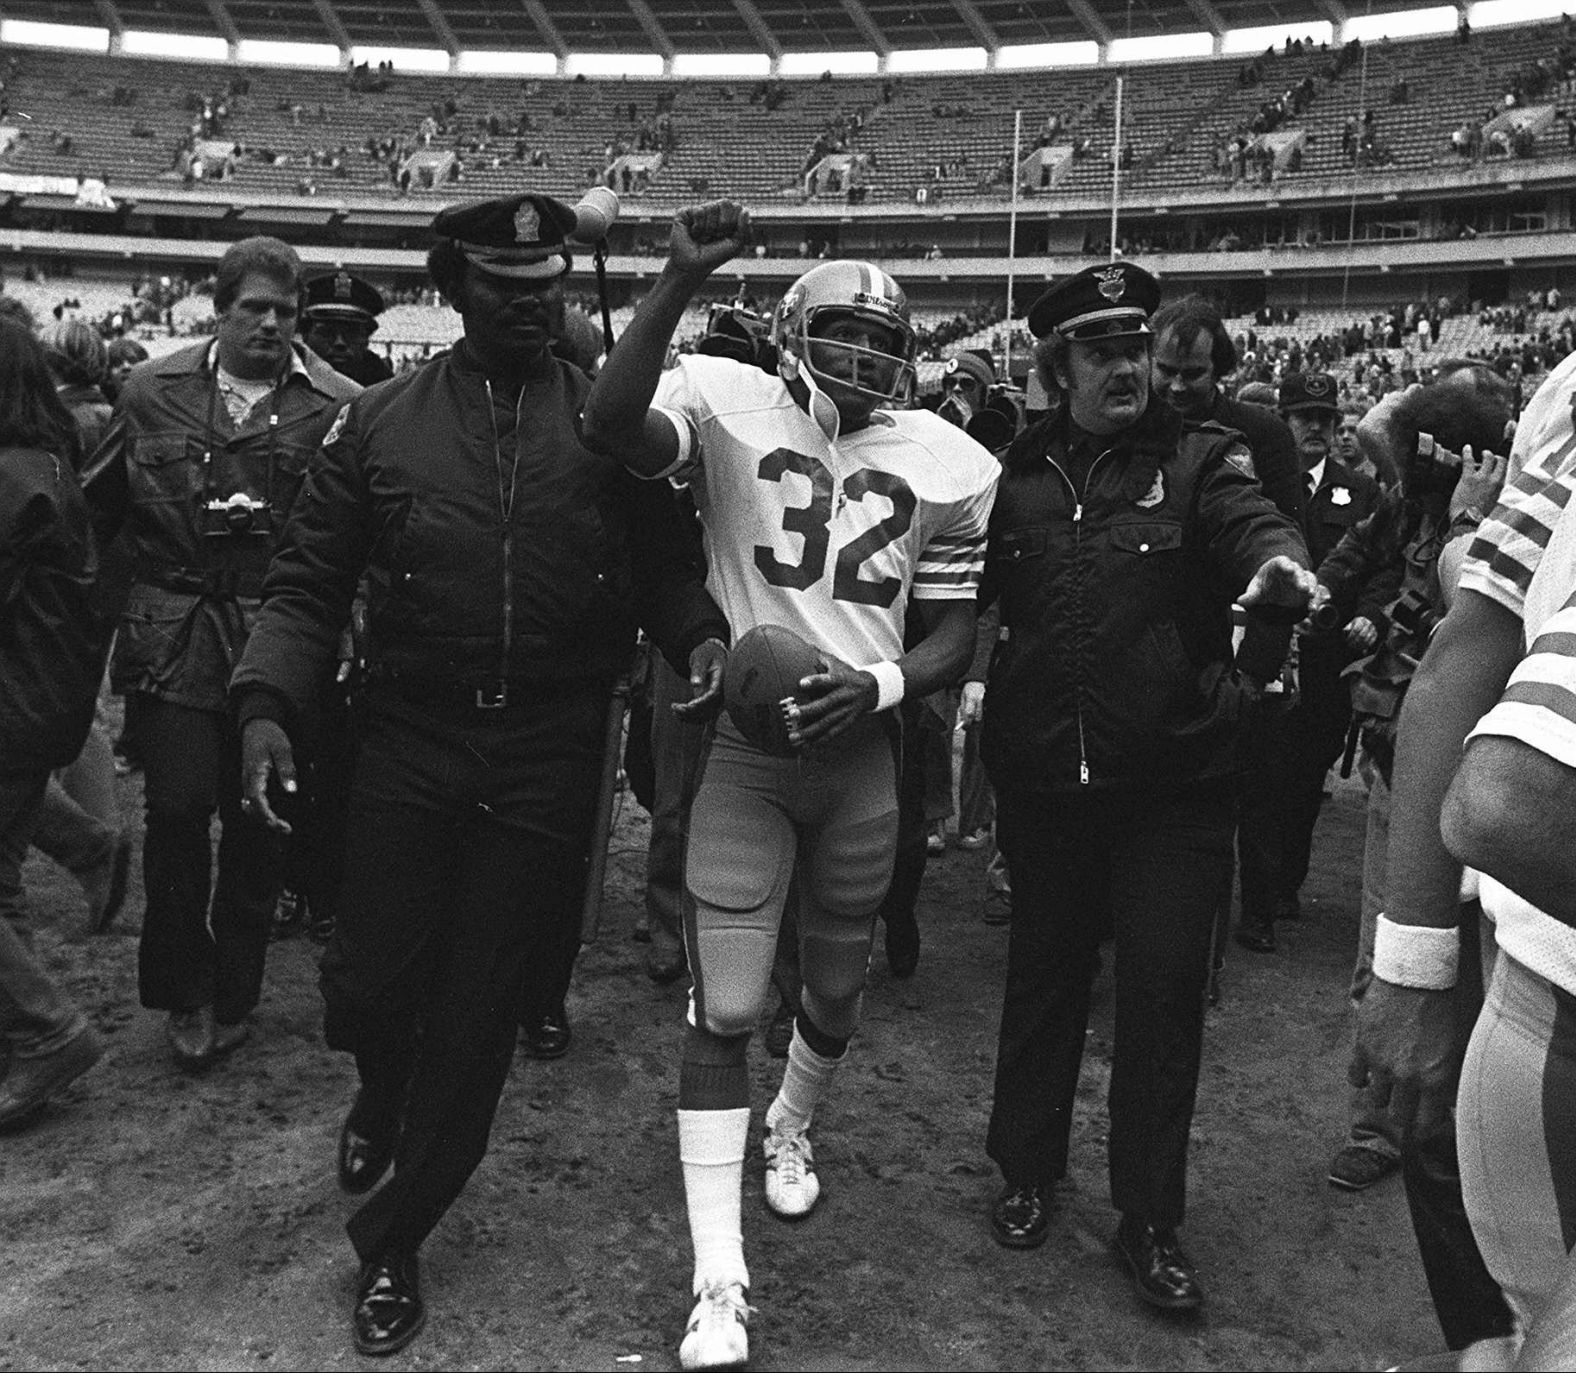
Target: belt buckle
x=492 y=698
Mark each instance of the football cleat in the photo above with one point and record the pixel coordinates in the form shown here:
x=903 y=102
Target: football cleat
x=716 y=1336
x=792 y=1187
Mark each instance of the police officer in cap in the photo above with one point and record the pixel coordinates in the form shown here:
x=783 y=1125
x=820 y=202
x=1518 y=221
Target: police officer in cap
x=508 y=569
x=1120 y=536
x=338 y=322
x=1284 y=784
x=338 y=319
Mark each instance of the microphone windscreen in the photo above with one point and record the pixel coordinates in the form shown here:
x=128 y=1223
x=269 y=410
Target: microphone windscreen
x=594 y=215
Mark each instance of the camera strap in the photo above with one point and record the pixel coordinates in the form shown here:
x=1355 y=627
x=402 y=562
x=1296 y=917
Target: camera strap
x=211 y=438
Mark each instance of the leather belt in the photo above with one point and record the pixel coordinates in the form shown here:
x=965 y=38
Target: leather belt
x=468 y=696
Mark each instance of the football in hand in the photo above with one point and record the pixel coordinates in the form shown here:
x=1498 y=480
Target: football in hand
x=765 y=667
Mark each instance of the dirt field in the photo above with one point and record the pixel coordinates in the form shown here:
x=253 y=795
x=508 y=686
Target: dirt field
x=160 y=1221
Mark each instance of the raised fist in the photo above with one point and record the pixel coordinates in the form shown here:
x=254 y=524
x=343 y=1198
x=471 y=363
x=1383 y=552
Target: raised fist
x=706 y=236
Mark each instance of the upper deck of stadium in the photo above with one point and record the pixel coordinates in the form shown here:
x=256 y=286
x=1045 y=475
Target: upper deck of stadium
x=926 y=137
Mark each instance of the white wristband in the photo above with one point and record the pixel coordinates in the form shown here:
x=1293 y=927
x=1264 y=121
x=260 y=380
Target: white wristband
x=1423 y=956
x=889 y=684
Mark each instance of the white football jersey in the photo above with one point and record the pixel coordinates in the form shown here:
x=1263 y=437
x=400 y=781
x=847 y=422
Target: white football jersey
x=826 y=537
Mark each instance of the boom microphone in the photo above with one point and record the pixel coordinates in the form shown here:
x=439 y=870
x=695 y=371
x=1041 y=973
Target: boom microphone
x=594 y=215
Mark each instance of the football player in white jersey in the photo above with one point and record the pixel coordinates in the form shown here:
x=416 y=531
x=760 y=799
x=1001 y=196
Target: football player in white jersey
x=825 y=503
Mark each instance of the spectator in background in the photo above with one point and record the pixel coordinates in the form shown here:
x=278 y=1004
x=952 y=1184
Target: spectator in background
x=51 y=661
x=79 y=362
x=79 y=822
x=121 y=356
x=1347 y=448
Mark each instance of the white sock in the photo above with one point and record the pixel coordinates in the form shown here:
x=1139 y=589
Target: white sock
x=807 y=1076
x=711 y=1148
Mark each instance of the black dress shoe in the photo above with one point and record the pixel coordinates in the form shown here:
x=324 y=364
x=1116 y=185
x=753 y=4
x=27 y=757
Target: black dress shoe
x=547 y=1035
x=364 y=1152
x=1162 y=1274
x=1020 y=1217
x=1257 y=935
x=389 y=1310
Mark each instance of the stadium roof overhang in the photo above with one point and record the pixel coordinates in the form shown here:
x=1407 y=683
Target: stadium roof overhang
x=668 y=28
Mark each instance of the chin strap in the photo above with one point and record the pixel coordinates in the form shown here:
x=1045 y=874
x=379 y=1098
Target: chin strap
x=809 y=397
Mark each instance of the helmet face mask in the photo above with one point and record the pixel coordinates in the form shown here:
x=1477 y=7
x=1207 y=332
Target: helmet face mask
x=821 y=300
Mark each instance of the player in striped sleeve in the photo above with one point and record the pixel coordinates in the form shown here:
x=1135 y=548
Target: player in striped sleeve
x=1407 y=1052
x=826 y=502
x=1510 y=813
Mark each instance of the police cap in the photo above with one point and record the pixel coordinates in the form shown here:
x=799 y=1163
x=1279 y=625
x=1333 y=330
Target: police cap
x=1309 y=391
x=1099 y=302
x=518 y=236
x=342 y=296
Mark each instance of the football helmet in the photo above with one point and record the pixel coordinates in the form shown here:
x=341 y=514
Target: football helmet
x=847 y=289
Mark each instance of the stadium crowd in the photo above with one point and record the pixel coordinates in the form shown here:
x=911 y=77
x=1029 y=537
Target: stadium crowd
x=1395 y=521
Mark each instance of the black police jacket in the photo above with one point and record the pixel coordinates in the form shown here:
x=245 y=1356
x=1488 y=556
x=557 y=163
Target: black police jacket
x=411 y=487
x=1115 y=666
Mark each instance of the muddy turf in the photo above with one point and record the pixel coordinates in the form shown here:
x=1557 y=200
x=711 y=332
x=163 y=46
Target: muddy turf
x=156 y=1220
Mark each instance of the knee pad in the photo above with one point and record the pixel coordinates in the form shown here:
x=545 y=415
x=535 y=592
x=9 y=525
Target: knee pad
x=734 y=886
x=728 y=1007
x=849 y=873
x=732 y=871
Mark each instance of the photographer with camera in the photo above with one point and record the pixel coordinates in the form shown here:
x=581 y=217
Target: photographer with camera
x=1386 y=581
x=988 y=411
x=199 y=468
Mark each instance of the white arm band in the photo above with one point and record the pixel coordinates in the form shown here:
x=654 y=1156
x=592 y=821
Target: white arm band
x=1422 y=956
x=688 y=442
x=889 y=684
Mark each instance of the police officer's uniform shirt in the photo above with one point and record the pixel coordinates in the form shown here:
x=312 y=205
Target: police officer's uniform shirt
x=826 y=538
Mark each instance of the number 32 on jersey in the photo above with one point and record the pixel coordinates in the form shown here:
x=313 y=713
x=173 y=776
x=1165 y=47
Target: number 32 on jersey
x=813 y=523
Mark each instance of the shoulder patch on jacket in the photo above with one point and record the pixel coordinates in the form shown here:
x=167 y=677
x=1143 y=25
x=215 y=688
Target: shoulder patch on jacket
x=337 y=426
x=1239 y=457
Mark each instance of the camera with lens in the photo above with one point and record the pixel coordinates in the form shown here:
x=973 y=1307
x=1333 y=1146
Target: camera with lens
x=734 y=331
x=1414 y=615
x=997 y=421
x=1431 y=471
x=1326 y=618
x=236 y=515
